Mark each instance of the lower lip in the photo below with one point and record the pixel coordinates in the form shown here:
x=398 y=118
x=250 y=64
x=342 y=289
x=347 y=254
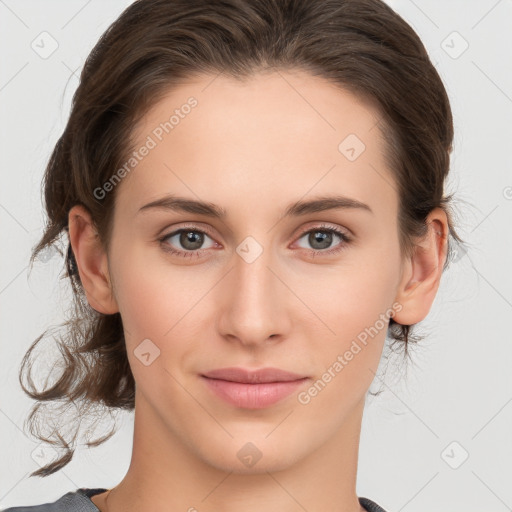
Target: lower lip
x=253 y=396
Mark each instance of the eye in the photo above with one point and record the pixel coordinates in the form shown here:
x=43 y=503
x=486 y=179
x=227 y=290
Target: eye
x=190 y=239
x=321 y=238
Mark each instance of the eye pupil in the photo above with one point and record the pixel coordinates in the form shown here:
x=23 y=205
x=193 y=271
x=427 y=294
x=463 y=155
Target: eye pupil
x=320 y=236
x=188 y=237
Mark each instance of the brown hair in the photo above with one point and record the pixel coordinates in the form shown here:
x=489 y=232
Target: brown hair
x=362 y=46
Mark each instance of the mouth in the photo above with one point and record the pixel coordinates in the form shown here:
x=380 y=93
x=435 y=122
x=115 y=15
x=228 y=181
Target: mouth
x=252 y=389
x=258 y=376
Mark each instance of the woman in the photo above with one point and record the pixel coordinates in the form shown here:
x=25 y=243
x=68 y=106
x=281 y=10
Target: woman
x=252 y=192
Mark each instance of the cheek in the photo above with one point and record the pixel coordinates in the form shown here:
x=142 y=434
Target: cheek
x=351 y=298
x=355 y=306
x=348 y=357
x=343 y=303
x=147 y=291
x=156 y=303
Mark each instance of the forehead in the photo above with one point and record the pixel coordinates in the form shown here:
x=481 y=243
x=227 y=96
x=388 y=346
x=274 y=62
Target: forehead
x=277 y=136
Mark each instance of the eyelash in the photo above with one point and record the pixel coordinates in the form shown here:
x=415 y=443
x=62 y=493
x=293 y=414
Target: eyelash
x=345 y=241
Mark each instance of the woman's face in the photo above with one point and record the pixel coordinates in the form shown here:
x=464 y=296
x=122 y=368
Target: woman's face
x=269 y=283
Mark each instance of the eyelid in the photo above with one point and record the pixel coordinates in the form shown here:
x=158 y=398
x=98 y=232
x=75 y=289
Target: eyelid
x=327 y=226
x=197 y=226
x=343 y=233
x=192 y=226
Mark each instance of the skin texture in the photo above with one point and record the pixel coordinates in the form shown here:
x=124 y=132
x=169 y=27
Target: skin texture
x=253 y=148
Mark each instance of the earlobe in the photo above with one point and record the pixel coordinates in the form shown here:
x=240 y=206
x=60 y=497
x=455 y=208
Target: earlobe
x=91 y=260
x=423 y=271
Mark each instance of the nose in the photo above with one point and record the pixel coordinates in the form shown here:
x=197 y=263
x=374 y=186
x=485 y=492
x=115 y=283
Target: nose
x=254 y=302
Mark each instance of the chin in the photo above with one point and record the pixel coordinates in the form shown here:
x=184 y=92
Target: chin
x=251 y=454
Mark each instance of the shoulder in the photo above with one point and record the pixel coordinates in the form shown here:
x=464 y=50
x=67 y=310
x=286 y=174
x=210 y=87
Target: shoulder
x=370 y=505
x=79 y=501
x=73 y=501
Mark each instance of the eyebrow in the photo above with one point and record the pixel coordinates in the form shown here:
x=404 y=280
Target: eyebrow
x=318 y=204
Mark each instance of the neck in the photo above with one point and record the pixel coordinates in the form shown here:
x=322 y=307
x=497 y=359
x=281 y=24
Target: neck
x=166 y=475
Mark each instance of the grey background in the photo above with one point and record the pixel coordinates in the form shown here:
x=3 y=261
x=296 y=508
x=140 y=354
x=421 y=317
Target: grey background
x=458 y=388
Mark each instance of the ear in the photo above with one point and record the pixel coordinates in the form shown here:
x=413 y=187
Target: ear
x=91 y=261
x=422 y=271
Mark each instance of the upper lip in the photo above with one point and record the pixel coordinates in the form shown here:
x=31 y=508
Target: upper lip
x=253 y=376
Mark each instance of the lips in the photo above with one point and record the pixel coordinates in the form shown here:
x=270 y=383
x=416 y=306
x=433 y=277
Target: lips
x=253 y=376
x=255 y=389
